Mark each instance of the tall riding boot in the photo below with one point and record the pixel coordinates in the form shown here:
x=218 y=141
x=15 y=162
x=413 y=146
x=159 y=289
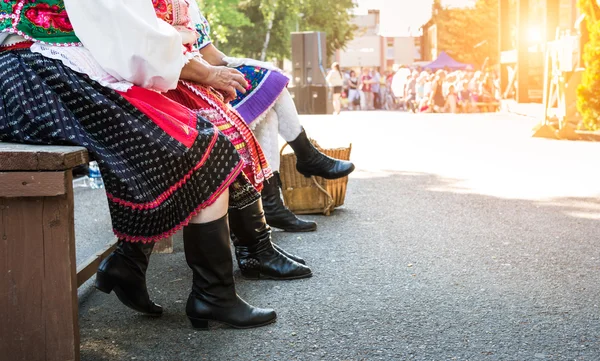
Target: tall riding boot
x=277 y=214
x=256 y=256
x=124 y=271
x=312 y=162
x=213 y=296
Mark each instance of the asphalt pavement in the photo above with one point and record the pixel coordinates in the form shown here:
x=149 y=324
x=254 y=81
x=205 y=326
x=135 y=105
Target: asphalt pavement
x=462 y=238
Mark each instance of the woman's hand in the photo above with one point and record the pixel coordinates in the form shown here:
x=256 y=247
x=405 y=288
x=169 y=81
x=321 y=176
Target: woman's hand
x=224 y=79
x=227 y=80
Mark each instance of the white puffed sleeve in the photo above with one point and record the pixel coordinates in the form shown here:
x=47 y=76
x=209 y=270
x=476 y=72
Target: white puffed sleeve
x=129 y=41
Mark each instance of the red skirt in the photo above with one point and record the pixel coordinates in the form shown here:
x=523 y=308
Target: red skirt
x=210 y=105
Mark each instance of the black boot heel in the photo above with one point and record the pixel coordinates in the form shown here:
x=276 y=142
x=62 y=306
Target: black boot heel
x=199 y=324
x=104 y=283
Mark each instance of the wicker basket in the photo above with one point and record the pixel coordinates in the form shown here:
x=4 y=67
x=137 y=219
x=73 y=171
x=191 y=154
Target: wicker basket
x=315 y=194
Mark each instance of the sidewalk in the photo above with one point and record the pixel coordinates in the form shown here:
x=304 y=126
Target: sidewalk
x=532 y=110
x=462 y=238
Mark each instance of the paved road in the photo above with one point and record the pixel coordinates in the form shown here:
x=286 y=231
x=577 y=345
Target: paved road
x=462 y=238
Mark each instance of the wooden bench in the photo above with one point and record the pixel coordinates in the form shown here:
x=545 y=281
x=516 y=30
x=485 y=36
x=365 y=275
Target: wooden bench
x=38 y=273
x=39 y=280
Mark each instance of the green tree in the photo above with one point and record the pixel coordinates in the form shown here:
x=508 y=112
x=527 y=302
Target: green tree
x=265 y=25
x=588 y=99
x=332 y=17
x=224 y=16
x=469 y=34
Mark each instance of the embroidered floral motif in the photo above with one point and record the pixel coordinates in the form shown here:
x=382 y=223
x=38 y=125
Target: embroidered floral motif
x=38 y=20
x=203 y=29
x=47 y=17
x=164 y=10
x=254 y=76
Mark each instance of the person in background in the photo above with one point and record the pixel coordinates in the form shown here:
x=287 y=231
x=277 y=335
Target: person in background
x=399 y=81
x=365 y=89
x=376 y=89
x=464 y=97
x=335 y=80
x=421 y=100
x=411 y=92
x=353 y=91
x=451 y=100
x=437 y=100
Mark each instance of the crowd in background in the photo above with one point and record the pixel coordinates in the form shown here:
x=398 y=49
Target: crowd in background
x=418 y=90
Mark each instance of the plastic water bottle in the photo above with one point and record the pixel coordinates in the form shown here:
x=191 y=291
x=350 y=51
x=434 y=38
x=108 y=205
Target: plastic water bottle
x=95 y=176
x=82 y=182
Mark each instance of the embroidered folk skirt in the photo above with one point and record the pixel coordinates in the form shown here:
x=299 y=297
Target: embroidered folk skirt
x=265 y=86
x=209 y=103
x=161 y=162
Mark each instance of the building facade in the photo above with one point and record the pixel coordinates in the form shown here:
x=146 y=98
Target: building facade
x=370 y=48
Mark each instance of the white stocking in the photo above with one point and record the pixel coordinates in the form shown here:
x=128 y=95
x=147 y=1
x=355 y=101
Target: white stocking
x=289 y=122
x=266 y=132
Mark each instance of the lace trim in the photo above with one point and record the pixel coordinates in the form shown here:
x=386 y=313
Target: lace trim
x=80 y=59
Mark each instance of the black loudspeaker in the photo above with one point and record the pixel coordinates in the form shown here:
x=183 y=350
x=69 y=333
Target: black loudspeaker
x=298 y=59
x=315 y=58
x=309 y=57
x=318 y=100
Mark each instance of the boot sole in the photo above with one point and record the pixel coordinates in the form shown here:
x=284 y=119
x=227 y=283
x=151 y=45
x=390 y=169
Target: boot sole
x=341 y=175
x=294 y=230
x=259 y=276
x=203 y=324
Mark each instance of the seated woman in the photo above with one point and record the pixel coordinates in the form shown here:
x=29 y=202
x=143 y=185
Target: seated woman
x=269 y=109
x=212 y=105
x=94 y=82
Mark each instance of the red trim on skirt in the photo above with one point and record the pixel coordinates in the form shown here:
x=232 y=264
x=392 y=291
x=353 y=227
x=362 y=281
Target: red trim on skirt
x=206 y=100
x=175 y=119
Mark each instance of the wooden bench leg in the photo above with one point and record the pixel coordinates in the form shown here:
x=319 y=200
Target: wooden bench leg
x=38 y=281
x=164 y=246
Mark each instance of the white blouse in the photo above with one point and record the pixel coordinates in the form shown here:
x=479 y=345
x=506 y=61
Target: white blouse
x=334 y=78
x=124 y=39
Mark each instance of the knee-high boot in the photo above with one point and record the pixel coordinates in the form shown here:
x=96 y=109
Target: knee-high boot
x=256 y=256
x=213 y=296
x=277 y=214
x=124 y=271
x=312 y=162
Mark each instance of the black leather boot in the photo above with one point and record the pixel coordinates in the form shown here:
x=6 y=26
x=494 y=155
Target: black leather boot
x=312 y=162
x=213 y=296
x=279 y=249
x=124 y=271
x=277 y=214
x=256 y=256
x=289 y=255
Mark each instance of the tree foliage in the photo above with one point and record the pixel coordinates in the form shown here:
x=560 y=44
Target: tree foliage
x=331 y=17
x=469 y=34
x=224 y=16
x=241 y=27
x=588 y=98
